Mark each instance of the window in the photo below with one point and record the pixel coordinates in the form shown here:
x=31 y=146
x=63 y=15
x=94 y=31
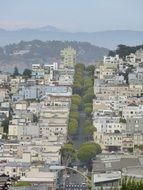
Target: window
x=23 y=174
x=14 y=170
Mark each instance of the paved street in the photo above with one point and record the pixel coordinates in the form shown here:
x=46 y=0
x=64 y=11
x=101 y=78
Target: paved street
x=80 y=133
x=76 y=187
x=75 y=182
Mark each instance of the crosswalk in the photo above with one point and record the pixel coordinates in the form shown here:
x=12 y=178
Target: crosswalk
x=76 y=187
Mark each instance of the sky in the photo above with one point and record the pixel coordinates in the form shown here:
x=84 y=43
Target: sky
x=73 y=15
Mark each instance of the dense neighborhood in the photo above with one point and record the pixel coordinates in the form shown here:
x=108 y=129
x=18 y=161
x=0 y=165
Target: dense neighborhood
x=64 y=118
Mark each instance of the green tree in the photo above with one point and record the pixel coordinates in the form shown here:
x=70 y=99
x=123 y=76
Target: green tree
x=74 y=115
x=90 y=69
x=76 y=99
x=88 y=105
x=88 y=110
x=22 y=184
x=78 y=78
x=88 y=151
x=77 y=87
x=90 y=90
x=35 y=118
x=89 y=83
x=122 y=120
x=111 y=53
x=89 y=130
x=80 y=66
x=5 y=125
x=88 y=122
x=16 y=72
x=27 y=73
x=68 y=154
x=131 y=184
x=88 y=98
x=74 y=107
x=72 y=127
x=72 y=130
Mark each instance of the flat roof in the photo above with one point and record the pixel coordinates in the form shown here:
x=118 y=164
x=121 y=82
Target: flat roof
x=104 y=177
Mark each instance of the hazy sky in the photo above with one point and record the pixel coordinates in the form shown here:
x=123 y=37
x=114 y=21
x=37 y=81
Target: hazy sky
x=73 y=15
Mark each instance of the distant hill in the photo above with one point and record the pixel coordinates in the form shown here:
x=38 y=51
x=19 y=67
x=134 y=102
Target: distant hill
x=108 y=39
x=24 y=54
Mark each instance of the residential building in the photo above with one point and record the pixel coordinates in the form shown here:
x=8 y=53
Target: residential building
x=68 y=57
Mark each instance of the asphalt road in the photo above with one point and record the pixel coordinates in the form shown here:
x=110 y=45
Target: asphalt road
x=75 y=182
x=80 y=133
x=76 y=187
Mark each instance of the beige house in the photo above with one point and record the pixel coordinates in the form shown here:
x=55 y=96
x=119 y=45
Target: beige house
x=109 y=141
x=36 y=176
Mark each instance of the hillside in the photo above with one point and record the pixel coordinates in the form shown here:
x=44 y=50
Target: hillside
x=24 y=54
x=108 y=39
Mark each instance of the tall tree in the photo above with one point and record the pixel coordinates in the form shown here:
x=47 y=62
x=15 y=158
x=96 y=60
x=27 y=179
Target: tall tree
x=68 y=154
x=27 y=73
x=88 y=151
x=16 y=72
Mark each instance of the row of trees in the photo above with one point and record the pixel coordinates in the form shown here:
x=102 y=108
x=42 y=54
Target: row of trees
x=86 y=152
x=88 y=101
x=131 y=184
x=78 y=79
x=76 y=99
x=74 y=114
x=82 y=100
x=26 y=73
x=124 y=50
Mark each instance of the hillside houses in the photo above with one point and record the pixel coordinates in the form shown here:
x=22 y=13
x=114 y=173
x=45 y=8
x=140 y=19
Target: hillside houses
x=117 y=107
x=34 y=116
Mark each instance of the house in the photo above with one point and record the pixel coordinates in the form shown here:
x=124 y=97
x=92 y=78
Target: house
x=131 y=111
x=36 y=175
x=68 y=57
x=111 y=62
x=108 y=169
x=19 y=131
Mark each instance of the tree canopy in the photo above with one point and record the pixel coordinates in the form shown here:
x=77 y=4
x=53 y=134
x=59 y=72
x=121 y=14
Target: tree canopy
x=72 y=128
x=16 y=72
x=89 y=130
x=68 y=154
x=74 y=115
x=88 y=98
x=27 y=73
x=131 y=184
x=78 y=78
x=90 y=69
x=124 y=50
x=5 y=124
x=89 y=83
x=88 y=151
x=76 y=99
